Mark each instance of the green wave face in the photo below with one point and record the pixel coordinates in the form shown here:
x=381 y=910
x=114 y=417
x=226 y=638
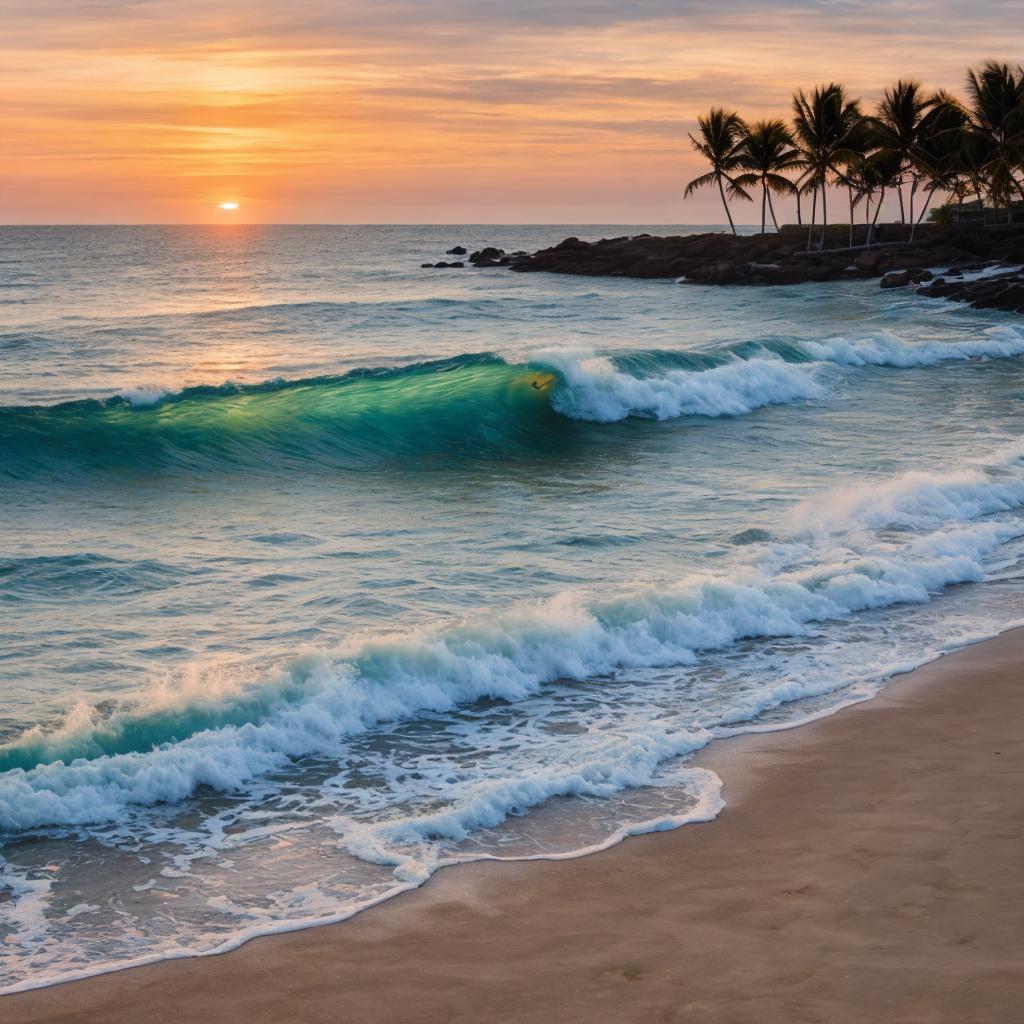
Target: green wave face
x=472 y=406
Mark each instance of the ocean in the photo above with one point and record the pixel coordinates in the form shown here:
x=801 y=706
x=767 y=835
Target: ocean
x=319 y=571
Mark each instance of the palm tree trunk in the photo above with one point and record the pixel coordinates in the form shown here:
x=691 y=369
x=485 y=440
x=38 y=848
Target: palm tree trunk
x=721 y=192
x=764 y=202
x=874 y=220
x=913 y=190
x=924 y=210
x=980 y=193
x=903 y=211
x=824 y=213
x=771 y=208
x=799 y=214
x=849 y=190
x=814 y=216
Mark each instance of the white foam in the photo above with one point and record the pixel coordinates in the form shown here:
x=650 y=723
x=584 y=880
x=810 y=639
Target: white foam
x=706 y=803
x=704 y=788
x=318 y=700
x=142 y=397
x=887 y=349
x=509 y=656
x=593 y=389
x=918 y=500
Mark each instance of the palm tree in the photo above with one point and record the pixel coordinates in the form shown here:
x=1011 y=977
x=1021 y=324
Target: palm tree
x=938 y=155
x=822 y=123
x=856 y=173
x=721 y=137
x=766 y=150
x=976 y=152
x=898 y=122
x=997 y=120
x=879 y=172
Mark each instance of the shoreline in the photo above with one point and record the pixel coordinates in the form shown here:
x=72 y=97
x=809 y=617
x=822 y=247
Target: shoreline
x=706 y=809
x=462 y=930
x=786 y=257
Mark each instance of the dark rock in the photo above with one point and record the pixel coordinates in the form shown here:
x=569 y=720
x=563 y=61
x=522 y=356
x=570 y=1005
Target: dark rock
x=906 y=260
x=489 y=253
x=1012 y=297
x=869 y=259
x=426 y=266
x=458 y=250
x=1001 y=297
x=716 y=258
x=796 y=273
x=896 y=279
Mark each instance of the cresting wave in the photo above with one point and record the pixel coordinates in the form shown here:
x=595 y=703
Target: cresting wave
x=221 y=731
x=469 y=406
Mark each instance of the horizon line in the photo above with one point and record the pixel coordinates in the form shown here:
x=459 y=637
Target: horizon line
x=370 y=224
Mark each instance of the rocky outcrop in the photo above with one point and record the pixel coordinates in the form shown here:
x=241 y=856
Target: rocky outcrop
x=901 y=278
x=782 y=258
x=991 y=291
x=772 y=259
x=490 y=257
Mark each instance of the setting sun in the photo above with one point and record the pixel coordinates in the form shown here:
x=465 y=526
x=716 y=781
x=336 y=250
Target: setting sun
x=228 y=206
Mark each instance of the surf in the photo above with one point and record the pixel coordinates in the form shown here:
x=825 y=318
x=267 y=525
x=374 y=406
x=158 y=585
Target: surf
x=220 y=728
x=474 y=406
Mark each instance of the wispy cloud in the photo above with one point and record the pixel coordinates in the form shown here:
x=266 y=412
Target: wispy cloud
x=424 y=109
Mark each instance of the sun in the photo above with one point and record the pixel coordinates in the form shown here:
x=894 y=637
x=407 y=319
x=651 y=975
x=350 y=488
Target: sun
x=228 y=206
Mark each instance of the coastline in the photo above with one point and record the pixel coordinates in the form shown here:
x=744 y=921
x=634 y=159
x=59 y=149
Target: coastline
x=866 y=867
x=785 y=257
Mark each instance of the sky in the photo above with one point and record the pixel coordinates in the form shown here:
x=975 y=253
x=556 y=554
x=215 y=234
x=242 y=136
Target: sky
x=427 y=111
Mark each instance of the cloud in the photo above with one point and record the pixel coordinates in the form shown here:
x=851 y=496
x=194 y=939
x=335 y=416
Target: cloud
x=310 y=103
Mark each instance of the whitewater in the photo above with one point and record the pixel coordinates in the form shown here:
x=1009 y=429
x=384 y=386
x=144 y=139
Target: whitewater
x=321 y=571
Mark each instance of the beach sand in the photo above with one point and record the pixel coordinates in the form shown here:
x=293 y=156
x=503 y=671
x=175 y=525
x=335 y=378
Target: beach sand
x=868 y=868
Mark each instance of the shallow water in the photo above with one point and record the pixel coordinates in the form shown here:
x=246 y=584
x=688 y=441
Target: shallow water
x=319 y=570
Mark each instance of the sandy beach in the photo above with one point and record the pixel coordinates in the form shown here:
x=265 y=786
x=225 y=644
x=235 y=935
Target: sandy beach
x=867 y=868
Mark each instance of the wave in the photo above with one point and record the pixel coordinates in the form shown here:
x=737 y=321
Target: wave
x=477 y=405
x=597 y=388
x=217 y=728
x=888 y=349
x=474 y=405
x=917 y=500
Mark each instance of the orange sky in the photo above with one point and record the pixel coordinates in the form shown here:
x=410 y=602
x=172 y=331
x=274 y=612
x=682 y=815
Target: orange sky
x=409 y=111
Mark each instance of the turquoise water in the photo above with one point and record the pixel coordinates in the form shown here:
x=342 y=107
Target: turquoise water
x=319 y=570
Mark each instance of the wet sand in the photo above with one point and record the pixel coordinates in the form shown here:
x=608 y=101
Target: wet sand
x=868 y=868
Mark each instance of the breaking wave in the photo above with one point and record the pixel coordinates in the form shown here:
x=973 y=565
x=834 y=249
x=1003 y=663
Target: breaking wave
x=476 y=405
x=216 y=728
